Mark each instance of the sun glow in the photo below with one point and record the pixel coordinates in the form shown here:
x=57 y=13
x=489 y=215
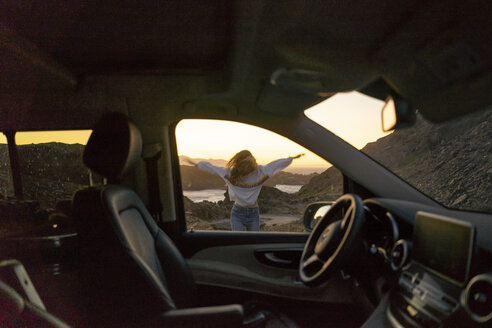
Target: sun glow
x=68 y=137
x=352 y=116
x=222 y=139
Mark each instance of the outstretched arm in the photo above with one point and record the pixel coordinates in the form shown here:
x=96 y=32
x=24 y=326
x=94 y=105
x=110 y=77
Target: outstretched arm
x=274 y=167
x=210 y=168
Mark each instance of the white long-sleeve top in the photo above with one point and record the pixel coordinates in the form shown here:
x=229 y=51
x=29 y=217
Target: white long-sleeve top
x=246 y=192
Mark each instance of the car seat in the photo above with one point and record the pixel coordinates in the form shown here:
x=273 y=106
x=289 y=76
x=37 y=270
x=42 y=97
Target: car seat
x=133 y=274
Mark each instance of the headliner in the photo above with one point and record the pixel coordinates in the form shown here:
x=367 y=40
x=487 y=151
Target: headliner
x=65 y=62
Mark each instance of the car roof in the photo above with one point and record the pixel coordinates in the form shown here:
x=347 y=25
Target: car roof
x=63 y=63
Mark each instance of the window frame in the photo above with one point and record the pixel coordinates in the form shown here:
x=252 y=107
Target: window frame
x=179 y=227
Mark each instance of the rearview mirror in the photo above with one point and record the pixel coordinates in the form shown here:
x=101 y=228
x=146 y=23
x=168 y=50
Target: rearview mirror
x=397 y=113
x=301 y=80
x=313 y=213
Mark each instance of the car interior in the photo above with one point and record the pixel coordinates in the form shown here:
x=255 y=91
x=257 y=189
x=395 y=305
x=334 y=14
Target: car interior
x=384 y=254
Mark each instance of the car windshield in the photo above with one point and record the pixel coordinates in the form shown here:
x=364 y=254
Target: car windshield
x=450 y=162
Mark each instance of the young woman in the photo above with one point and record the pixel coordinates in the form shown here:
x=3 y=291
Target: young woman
x=244 y=179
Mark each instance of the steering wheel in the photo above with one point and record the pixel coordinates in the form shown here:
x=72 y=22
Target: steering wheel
x=333 y=241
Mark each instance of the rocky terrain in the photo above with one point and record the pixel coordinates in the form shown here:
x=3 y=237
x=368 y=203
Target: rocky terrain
x=289 y=178
x=50 y=172
x=451 y=162
x=53 y=172
x=327 y=186
x=208 y=215
x=271 y=201
x=6 y=187
x=193 y=178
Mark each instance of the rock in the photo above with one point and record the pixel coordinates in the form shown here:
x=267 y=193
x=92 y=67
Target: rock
x=222 y=225
x=205 y=210
x=456 y=172
x=325 y=186
x=216 y=216
x=433 y=139
x=192 y=178
x=459 y=200
x=51 y=172
x=272 y=200
x=453 y=173
x=288 y=178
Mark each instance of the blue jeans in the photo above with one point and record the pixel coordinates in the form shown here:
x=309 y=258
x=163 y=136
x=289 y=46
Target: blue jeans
x=245 y=217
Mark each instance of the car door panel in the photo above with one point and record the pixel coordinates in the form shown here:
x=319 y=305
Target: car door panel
x=192 y=242
x=239 y=267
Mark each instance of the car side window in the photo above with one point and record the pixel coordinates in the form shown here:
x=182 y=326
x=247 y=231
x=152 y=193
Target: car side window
x=6 y=183
x=276 y=190
x=51 y=171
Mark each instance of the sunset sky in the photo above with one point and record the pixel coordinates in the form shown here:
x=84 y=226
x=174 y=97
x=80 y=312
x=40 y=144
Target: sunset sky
x=69 y=137
x=352 y=116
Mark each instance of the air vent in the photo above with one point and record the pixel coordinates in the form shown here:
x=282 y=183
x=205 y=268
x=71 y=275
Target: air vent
x=399 y=254
x=477 y=298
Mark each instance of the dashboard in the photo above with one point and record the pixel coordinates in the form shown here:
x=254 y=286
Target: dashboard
x=440 y=264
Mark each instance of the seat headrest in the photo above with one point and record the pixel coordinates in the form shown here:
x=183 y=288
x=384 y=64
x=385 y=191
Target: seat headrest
x=114 y=147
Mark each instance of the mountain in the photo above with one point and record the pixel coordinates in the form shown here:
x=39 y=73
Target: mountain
x=288 y=178
x=326 y=186
x=270 y=201
x=193 y=178
x=50 y=171
x=218 y=162
x=451 y=161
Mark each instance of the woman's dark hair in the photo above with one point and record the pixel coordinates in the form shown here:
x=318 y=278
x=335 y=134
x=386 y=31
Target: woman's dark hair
x=241 y=164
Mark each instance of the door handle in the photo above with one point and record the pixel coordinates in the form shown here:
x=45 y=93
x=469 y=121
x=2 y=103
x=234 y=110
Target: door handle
x=280 y=257
x=275 y=259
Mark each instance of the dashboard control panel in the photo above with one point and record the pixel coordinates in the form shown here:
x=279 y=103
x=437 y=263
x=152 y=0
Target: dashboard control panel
x=434 y=289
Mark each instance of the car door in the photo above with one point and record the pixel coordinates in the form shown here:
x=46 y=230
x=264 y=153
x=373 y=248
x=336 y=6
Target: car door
x=241 y=265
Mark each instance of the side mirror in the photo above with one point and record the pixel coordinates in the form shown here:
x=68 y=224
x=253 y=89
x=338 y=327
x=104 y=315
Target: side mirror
x=397 y=113
x=313 y=213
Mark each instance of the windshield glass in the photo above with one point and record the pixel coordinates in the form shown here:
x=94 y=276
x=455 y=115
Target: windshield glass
x=450 y=161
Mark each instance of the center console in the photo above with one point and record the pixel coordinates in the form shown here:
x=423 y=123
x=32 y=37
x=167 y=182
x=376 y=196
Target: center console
x=430 y=287
x=422 y=300
x=434 y=289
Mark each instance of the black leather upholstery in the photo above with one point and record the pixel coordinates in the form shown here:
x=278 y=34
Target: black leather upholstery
x=133 y=273
x=114 y=147
x=131 y=269
x=130 y=266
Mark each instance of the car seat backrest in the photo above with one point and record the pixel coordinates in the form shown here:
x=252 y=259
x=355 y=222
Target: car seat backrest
x=130 y=264
x=114 y=147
